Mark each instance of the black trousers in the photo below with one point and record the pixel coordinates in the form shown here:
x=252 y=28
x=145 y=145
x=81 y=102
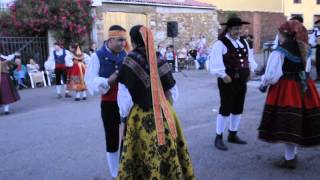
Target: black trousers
x=318 y=60
x=111 y=123
x=61 y=73
x=232 y=97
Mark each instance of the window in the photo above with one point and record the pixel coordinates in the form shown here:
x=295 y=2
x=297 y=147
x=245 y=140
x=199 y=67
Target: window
x=316 y=18
x=296 y=15
x=297 y=1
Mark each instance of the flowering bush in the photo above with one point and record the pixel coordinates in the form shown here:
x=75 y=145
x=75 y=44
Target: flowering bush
x=70 y=20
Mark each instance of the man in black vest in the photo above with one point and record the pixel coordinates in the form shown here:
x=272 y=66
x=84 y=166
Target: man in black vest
x=231 y=61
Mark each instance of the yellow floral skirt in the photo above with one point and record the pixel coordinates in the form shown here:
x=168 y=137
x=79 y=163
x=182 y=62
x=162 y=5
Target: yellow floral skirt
x=142 y=157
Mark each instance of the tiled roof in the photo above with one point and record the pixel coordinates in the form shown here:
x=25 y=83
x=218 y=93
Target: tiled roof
x=192 y=3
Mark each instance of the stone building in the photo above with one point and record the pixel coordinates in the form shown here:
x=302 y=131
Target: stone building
x=263 y=27
x=193 y=18
x=264 y=16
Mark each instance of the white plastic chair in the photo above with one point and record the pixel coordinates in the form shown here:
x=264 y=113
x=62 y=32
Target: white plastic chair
x=51 y=75
x=34 y=83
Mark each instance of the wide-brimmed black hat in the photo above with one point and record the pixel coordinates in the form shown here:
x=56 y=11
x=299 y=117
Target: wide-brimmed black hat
x=317 y=22
x=234 y=21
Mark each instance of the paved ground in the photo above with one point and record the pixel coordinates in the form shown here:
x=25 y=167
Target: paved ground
x=49 y=139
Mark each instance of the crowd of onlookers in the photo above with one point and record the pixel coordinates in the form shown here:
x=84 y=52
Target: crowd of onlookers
x=194 y=53
x=30 y=74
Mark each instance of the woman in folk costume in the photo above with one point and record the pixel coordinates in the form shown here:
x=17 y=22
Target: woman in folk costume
x=154 y=146
x=8 y=91
x=231 y=61
x=292 y=111
x=76 y=74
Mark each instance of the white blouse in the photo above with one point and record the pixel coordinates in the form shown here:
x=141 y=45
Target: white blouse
x=125 y=102
x=273 y=70
x=217 y=67
x=50 y=63
x=7 y=58
x=97 y=84
x=32 y=68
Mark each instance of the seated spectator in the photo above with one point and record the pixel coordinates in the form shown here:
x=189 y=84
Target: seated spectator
x=182 y=56
x=20 y=73
x=32 y=67
x=162 y=49
x=36 y=76
x=202 y=56
x=170 y=56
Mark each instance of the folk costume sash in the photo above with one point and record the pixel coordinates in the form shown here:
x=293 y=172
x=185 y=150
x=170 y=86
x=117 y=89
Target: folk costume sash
x=159 y=101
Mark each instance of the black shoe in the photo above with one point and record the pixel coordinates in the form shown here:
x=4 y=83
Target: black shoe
x=67 y=95
x=218 y=143
x=287 y=164
x=84 y=98
x=59 y=96
x=6 y=113
x=234 y=138
x=77 y=99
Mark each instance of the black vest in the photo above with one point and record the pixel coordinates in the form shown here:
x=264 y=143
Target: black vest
x=236 y=60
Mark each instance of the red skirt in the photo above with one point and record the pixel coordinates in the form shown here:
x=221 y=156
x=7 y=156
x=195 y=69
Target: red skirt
x=76 y=77
x=291 y=116
x=8 y=92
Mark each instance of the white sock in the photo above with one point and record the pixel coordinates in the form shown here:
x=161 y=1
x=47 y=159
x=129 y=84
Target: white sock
x=6 y=108
x=65 y=87
x=113 y=162
x=221 y=123
x=234 y=122
x=84 y=94
x=78 y=94
x=58 y=87
x=290 y=151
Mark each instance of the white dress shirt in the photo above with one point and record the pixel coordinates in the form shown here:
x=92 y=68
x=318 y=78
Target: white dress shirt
x=217 y=66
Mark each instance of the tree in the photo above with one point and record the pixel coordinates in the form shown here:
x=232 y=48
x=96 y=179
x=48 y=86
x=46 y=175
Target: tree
x=26 y=17
x=70 y=20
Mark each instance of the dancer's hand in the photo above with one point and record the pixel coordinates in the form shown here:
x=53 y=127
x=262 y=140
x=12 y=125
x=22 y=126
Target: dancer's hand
x=227 y=79
x=113 y=78
x=263 y=89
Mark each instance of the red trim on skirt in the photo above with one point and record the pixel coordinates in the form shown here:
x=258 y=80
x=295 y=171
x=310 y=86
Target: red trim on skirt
x=287 y=93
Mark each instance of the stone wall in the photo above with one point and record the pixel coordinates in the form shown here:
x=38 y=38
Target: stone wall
x=191 y=22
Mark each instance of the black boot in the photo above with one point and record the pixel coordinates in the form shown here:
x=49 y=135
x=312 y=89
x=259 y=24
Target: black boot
x=67 y=95
x=233 y=138
x=218 y=143
x=287 y=164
